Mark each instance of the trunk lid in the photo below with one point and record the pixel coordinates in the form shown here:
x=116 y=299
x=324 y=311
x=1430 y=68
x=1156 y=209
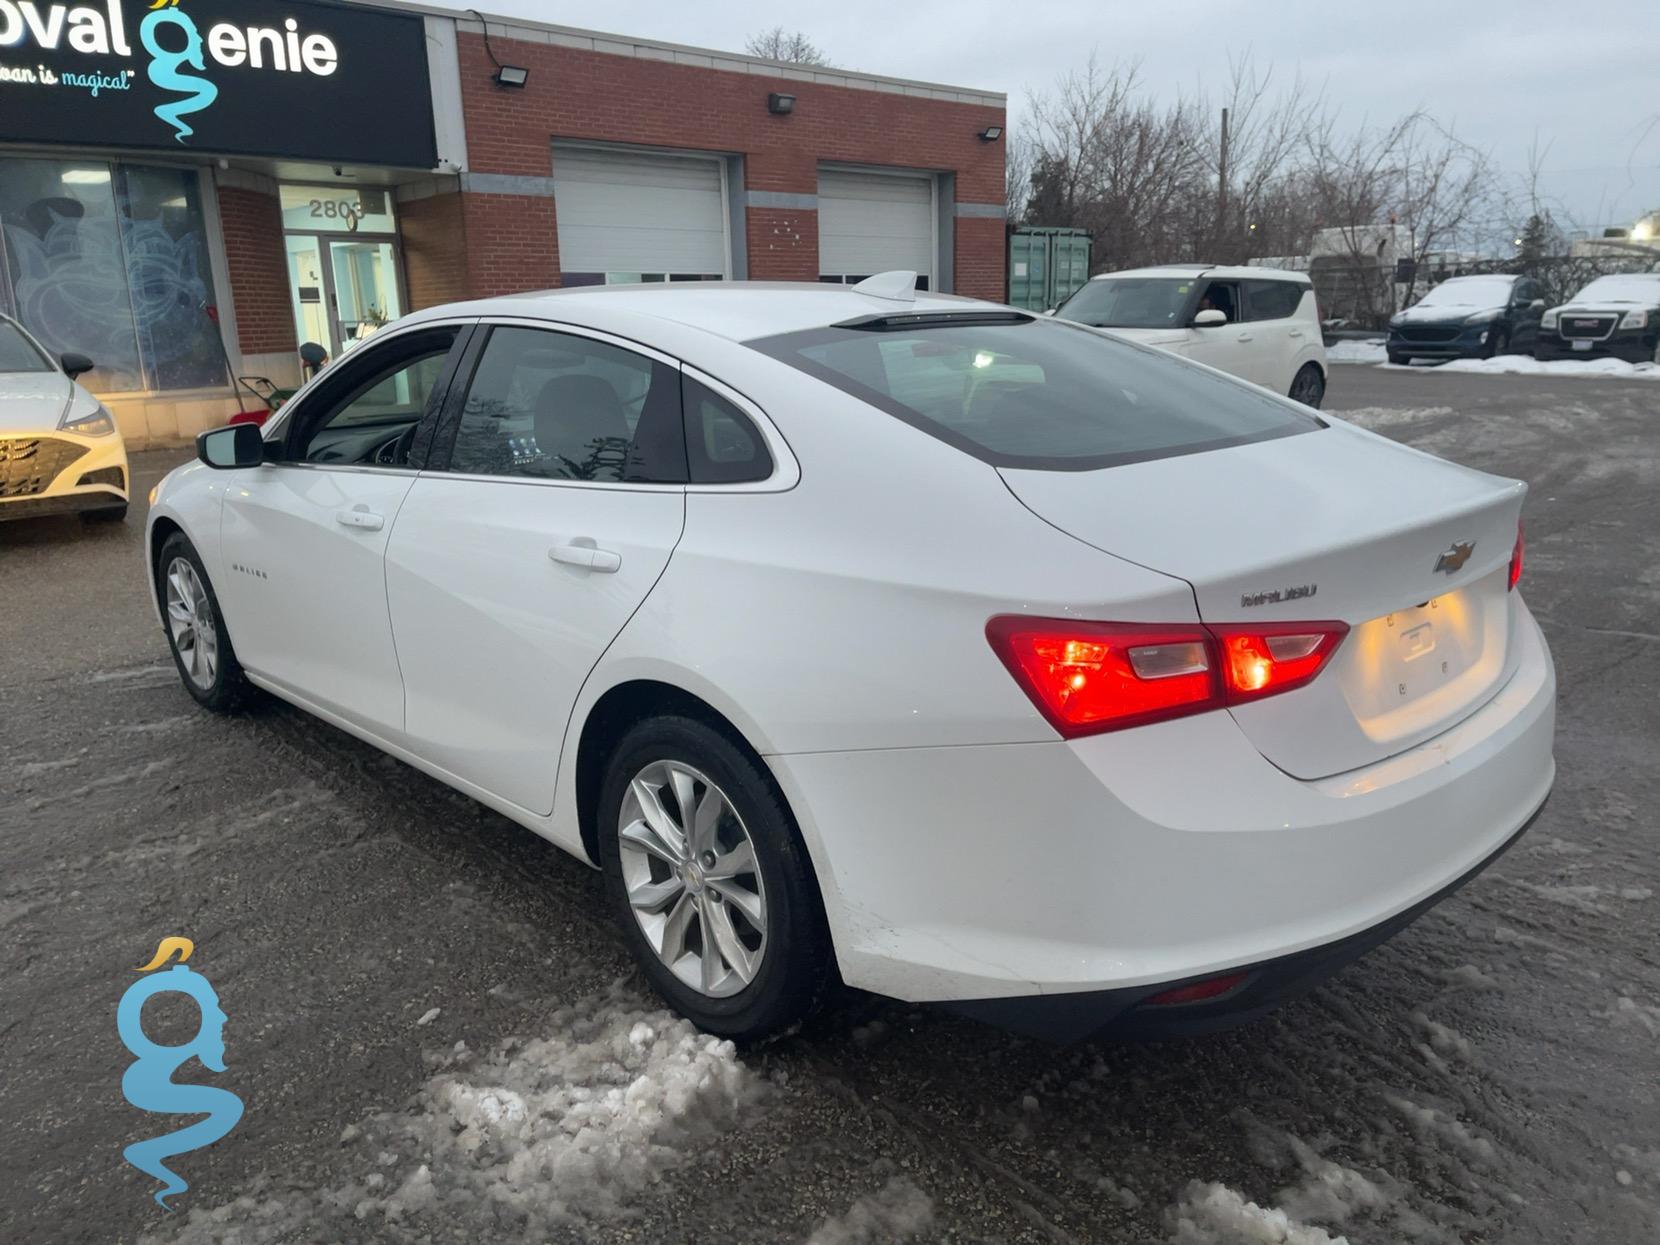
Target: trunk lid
x=1334 y=524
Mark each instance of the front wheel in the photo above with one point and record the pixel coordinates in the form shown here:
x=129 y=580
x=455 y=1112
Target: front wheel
x=1497 y=343
x=708 y=874
x=1309 y=386
x=196 y=629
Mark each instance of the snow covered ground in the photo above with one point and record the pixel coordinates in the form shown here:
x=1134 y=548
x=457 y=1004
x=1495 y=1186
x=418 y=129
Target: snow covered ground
x=1372 y=352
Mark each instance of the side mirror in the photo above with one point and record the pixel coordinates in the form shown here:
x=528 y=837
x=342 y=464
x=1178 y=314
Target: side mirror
x=74 y=364
x=1210 y=317
x=1537 y=304
x=313 y=355
x=235 y=445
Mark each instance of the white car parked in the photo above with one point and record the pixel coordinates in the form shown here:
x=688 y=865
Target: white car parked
x=1260 y=324
x=977 y=657
x=60 y=451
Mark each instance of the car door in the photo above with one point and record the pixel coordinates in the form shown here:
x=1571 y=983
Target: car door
x=554 y=498
x=1524 y=315
x=303 y=537
x=1270 y=312
x=1230 y=347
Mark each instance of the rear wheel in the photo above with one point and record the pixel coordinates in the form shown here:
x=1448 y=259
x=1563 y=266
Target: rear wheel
x=1309 y=386
x=196 y=629
x=710 y=879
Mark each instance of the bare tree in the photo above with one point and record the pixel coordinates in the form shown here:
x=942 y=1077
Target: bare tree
x=1018 y=163
x=792 y=46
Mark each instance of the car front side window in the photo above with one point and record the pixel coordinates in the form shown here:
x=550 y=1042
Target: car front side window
x=368 y=413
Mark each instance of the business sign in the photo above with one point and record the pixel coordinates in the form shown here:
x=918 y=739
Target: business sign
x=288 y=78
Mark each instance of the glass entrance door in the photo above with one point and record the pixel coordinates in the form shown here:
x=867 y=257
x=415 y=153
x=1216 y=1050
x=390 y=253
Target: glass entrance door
x=365 y=279
x=308 y=288
x=343 y=289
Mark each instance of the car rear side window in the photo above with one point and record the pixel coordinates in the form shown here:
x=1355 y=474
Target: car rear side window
x=1039 y=393
x=1273 y=300
x=556 y=406
x=722 y=445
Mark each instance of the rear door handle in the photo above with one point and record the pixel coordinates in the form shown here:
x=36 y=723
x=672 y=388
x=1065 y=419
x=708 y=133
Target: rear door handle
x=1295 y=333
x=361 y=517
x=582 y=552
x=1245 y=337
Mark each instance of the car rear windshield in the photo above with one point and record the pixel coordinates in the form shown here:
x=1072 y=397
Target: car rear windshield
x=1039 y=393
x=18 y=353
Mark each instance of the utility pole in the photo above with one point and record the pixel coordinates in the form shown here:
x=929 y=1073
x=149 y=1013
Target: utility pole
x=1221 y=194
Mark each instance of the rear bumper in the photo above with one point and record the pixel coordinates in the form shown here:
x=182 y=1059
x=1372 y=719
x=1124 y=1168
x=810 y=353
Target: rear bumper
x=1119 y=865
x=1126 y=1013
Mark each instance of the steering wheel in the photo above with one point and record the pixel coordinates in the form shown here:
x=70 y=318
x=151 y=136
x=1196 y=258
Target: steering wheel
x=395 y=453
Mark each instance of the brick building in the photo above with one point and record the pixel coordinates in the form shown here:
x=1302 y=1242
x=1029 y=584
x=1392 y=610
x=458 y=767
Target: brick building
x=614 y=160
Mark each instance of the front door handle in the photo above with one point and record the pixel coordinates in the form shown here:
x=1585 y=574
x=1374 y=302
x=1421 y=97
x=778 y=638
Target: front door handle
x=1295 y=333
x=361 y=517
x=582 y=551
x=1245 y=337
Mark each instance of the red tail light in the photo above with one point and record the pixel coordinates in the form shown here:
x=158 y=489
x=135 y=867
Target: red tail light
x=1516 y=555
x=1087 y=677
x=1269 y=658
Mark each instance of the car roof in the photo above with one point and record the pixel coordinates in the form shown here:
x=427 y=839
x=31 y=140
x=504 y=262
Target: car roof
x=1219 y=271
x=739 y=310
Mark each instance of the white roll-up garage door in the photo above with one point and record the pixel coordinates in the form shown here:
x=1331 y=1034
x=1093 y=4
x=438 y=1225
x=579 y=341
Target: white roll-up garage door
x=626 y=215
x=874 y=222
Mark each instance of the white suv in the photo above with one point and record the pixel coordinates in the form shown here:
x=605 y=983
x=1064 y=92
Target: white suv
x=1260 y=324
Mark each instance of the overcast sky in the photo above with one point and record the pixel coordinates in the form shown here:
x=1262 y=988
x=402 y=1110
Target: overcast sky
x=1579 y=79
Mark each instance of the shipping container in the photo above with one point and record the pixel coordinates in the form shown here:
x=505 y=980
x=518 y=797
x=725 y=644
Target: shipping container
x=1046 y=265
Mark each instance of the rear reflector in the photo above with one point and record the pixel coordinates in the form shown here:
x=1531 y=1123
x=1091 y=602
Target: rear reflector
x=1516 y=555
x=1087 y=677
x=1198 y=991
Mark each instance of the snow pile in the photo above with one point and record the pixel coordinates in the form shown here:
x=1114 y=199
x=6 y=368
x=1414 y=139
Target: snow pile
x=1370 y=350
x=538 y=1133
x=1213 y=1214
x=896 y=1212
x=1526 y=365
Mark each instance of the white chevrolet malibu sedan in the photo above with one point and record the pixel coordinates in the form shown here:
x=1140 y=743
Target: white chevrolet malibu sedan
x=966 y=656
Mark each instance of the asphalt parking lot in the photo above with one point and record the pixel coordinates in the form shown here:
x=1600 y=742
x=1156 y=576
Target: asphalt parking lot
x=438 y=1037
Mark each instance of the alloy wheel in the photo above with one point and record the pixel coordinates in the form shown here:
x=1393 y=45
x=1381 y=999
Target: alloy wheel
x=190 y=623
x=693 y=884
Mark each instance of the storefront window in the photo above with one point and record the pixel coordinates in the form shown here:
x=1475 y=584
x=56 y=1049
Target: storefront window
x=112 y=261
x=169 y=279
x=66 y=279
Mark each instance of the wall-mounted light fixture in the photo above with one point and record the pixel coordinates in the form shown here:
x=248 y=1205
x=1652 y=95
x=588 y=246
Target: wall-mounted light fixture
x=512 y=76
x=991 y=134
x=780 y=105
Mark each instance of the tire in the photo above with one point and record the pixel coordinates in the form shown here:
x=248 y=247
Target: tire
x=1398 y=359
x=1497 y=343
x=209 y=672
x=1308 y=386
x=793 y=972
x=110 y=514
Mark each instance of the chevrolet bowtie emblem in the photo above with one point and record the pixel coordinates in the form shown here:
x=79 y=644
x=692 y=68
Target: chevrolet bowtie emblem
x=1453 y=559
